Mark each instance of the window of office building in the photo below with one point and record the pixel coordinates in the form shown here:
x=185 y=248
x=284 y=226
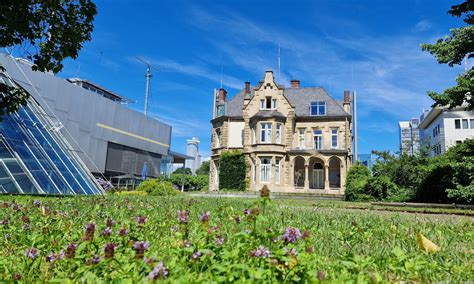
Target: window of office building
x=457 y=123
x=465 y=124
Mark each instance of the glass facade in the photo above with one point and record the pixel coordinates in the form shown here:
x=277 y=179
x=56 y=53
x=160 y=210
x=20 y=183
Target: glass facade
x=36 y=159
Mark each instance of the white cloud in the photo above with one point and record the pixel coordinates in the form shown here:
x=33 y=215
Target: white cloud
x=422 y=26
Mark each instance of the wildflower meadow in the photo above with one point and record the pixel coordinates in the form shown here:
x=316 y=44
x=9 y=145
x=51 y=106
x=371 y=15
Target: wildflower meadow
x=150 y=238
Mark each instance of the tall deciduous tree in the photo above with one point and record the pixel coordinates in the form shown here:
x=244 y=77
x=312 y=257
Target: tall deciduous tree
x=452 y=50
x=47 y=32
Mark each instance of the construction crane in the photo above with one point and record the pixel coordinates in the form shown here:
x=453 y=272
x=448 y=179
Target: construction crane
x=148 y=76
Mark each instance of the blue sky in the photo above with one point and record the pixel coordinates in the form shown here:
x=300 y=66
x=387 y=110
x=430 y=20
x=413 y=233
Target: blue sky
x=369 y=46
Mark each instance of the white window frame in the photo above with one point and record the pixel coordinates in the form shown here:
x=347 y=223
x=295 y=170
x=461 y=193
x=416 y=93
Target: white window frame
x=218 y=138
x=265 y=170
x=265 y=132
x=262 y=104
x=274 y=103
x=277 y=171
x=466 y=125
x=254 y=171
x=318 y=135
x=301 y=138
x=317 y=104
x=332 y=138
x=278 y=133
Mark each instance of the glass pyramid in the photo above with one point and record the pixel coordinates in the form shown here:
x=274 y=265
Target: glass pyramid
x=36 y=159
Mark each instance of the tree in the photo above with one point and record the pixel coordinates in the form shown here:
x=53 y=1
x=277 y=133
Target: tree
x=203 y=169
x=452 y=50
x=186 y=171
x=47 y=33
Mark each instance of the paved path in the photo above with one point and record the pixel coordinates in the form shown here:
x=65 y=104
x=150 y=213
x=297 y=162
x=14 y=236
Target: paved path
x=243 y=195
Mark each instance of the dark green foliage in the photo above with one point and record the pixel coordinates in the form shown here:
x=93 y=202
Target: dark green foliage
x=444 y=179
x=203 y=169
x=190 y=182
x=357 y=178
x=452 y=50
x=47 y=32
x=157 y=187
x=232 y=171
x=380 y=187
x=186 y=171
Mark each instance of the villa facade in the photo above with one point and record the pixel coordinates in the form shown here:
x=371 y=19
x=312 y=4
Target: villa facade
x=295 y=139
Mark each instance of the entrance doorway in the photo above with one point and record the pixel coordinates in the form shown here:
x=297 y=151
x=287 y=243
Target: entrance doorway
x=318 y=176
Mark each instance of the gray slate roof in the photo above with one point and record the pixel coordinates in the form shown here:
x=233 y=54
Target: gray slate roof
x=300 y=98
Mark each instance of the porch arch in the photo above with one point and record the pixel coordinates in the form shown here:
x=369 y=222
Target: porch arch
x=299 y=171
x=335 y=172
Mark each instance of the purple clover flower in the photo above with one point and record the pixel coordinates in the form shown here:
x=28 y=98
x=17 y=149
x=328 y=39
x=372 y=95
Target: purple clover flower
x=174 y=228
x=5 y=221
x=140 y=248
x=109 y=250
x=196 y=255
x=246 y=211
x=93 y=260
x=261 y=251
x=107 y=232
x=37 y=203
x=31 y=253
x=183 y=216
x=158 y=272
x=71 y=250
x=123 y=232
x=141 y=220
x=89 y=231
x=51 y=257
x=290 y=252
x=237 y=219
x=60 y=255
x=291 y=235
x=110 y=222
x=220 y=241
x=204 y=217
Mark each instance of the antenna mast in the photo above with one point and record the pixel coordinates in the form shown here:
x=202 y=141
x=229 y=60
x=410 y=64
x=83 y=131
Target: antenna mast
x=279 y=64
x=148 y=79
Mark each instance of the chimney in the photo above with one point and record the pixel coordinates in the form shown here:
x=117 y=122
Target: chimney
x=347 y=101
x=222 y=95
x=247 y=88
x=295 y=84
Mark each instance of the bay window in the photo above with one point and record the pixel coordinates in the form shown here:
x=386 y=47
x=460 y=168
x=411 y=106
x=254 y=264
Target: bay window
x=266 y=133
x=277 y=171
x=278 y=133
x=301 y=139
x=265 y=170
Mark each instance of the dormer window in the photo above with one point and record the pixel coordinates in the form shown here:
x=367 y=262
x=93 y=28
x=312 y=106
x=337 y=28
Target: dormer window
x=318 y=108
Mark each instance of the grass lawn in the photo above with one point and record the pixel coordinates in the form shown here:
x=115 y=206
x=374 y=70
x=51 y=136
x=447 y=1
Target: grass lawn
x=141 y=238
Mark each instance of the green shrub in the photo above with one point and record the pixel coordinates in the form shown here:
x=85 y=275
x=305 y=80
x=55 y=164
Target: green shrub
x=380 y=187
x=203 y=169
x=157 y=187
x=462 y=194
x=190 y=182
x=232 y=170
x=356 y=180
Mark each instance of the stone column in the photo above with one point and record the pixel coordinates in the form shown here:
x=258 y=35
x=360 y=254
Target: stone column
x=326 y=177
x=306 y=176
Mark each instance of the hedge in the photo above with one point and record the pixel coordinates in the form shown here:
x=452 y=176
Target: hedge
x=232 y=170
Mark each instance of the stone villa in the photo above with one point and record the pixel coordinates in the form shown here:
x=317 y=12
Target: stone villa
x=295 y=139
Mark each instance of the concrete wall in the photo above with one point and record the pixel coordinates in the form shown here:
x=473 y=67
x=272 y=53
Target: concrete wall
x=91 y=119
x=451 y=133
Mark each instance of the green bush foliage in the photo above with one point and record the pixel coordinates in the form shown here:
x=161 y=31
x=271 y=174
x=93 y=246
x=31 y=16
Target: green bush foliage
x=444 y=179
x=157 y=187
x=203 y=169
x=190 y=182
x=232 y=171
x=357 y=178
x=186 y=171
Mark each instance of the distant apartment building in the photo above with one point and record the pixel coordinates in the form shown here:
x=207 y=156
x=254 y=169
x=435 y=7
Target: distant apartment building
x=295 y=139
x=193 y=151
x=442 y=128
x=409 y=136
x=366 y=160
